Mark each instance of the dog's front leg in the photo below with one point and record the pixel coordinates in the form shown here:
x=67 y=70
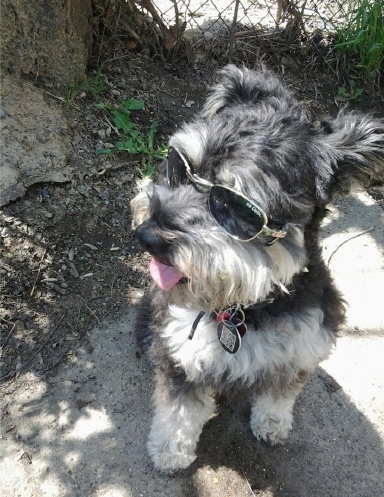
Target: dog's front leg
x=271 y=414
x=180 y=414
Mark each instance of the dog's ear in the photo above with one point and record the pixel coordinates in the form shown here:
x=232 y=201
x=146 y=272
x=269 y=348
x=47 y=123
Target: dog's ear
x=354 y=147
x=241 y=86
x=140 y=208
x=177 y=165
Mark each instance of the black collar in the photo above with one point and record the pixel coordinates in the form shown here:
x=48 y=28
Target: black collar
x=240 y=308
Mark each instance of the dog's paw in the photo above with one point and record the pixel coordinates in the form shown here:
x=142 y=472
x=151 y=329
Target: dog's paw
x=271 y=428
x=169 y=461
x=271 y=418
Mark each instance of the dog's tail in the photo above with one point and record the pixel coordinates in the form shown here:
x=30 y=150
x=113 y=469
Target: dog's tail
x=355 y=144
x=239 y=86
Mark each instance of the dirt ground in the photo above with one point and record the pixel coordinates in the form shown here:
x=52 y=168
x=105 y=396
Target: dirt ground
x=69 y=260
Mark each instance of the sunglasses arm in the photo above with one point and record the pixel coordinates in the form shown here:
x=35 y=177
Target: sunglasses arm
x=275 y=233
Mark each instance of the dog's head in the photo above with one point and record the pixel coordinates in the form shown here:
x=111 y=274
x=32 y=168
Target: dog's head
x=244 y=181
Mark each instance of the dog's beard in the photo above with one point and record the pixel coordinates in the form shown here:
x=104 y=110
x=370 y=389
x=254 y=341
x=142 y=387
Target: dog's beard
x=220 y=273
x=223 y=271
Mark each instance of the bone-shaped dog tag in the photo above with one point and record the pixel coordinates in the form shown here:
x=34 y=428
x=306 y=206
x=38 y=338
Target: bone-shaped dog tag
x=229 y=335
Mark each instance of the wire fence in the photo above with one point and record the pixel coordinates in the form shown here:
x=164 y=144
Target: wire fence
x=246 y=30
x=209 y=19
x=202 y=15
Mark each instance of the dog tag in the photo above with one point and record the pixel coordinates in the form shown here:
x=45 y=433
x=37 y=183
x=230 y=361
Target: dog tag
x=234 y=318
x=229 y=335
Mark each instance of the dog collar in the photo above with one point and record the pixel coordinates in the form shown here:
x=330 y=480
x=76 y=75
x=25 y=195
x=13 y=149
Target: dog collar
x=230 y=325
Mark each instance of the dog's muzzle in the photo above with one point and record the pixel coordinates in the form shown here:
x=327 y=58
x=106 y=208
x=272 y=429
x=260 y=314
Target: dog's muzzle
x=156 y=242
x=151 y=241
x=161 y=269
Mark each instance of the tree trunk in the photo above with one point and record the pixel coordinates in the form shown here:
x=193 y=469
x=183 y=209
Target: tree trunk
x=49 y=39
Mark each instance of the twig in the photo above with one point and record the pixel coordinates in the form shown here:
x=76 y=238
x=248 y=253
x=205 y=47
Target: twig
x=6 y=320
x=38 y=272
x=347 y=240
x=93 y=312
x=113 y=282
x=116 y=58
x=73 y=380
x=61 y=99
x=35 y=354
x=232 y=32
x=242 y=470
x=112 y=126
x=167 y=93
x=101 y=45
x=9 y=334
x=148 y=5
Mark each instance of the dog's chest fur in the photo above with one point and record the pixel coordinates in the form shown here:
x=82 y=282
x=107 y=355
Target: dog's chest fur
x=288 y=344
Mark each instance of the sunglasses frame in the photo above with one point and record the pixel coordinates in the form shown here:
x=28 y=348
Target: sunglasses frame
x=280 y=233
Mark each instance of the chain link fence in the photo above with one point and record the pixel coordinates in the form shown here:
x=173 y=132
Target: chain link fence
x=202 y=15
x=236 y=30
x=231 y=21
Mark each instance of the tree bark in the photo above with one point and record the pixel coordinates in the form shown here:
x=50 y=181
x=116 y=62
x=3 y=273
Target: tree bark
x=48 y=39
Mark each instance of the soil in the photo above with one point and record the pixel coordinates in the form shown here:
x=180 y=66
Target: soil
x=69 y=257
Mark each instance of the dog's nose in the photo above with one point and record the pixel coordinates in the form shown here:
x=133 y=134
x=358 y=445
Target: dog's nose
x=151 y=241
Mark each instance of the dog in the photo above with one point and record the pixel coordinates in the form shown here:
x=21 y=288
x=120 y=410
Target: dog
x=241 y=298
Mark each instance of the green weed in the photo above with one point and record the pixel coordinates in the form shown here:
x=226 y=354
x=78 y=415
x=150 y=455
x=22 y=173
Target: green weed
x=148 y=169
x=94 y=86
x=71 y=93
x=351 y=93
x=361 y=38
x=131 y=139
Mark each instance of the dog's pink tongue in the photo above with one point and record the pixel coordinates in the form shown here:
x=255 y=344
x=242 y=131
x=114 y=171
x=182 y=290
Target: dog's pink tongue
x=164 y=276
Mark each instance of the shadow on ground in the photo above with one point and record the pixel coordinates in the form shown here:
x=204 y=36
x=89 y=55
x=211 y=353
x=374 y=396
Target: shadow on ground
x=84 y=434
x=353 y=248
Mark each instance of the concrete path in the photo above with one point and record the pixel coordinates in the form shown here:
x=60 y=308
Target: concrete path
x=83 y=433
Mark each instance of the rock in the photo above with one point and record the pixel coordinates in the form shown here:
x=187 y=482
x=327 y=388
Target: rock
x=73 y=270
x=26 y=160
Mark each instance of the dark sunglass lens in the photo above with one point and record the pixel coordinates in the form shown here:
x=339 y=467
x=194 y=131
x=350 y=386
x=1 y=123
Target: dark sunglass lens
x=234 y=213
x=176 y=170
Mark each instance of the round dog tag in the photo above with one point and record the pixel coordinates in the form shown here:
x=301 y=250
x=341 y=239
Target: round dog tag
x=229 y=336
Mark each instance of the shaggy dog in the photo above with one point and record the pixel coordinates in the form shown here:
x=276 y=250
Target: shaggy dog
x=242 y=298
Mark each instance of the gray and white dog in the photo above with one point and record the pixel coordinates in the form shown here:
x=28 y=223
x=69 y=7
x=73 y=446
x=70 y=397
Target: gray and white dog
x=241 y=296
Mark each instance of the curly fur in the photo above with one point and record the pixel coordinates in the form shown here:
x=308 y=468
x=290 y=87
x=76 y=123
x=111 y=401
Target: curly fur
x=253 y=136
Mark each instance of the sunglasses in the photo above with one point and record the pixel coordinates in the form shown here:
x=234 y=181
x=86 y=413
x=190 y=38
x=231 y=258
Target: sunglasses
x=241 y=218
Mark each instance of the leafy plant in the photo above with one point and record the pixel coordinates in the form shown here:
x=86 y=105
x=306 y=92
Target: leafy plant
x=361 y=37
x=148 y=169
x=131 y=139
x=353 y=93
x=71 y=92
x=94 y=86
